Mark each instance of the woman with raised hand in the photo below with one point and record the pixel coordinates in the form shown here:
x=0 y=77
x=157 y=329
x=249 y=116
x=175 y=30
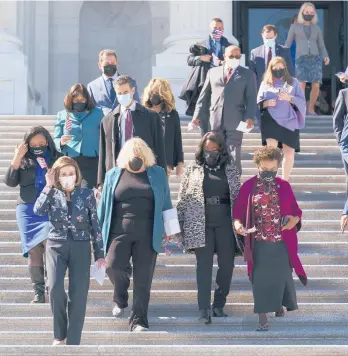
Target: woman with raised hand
x=29 y=165
x=267 y=215
x=206 y=199
x=72 y=214
x=76 y=132
x=159 y=97
x=135 y=194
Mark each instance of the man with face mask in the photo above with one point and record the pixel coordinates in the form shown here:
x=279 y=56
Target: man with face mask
x=102 y=89
x=229 y=94
x=262 y=55
x=128 y=120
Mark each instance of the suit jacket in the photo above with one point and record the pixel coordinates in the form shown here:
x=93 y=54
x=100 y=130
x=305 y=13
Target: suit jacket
x=257 y=61
x=100 y=96
x=240 y=94
x=147 y=126
x=159 y=184
x=84 y=219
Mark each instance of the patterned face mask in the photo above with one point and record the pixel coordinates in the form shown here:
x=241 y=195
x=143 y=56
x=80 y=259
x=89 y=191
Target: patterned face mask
x=267 y=175
x=68 y=183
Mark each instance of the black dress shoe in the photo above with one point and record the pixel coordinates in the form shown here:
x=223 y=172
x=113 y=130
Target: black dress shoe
x=205 y=316
x=219 y=313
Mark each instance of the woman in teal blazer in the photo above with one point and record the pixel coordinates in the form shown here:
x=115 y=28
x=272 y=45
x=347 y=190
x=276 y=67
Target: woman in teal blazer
x=76 y=133
x=135 y=194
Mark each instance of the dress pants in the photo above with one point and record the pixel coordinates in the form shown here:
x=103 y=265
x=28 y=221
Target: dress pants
x=138 y=246
x=68 y=314
x=233 y=140
x=219 y=239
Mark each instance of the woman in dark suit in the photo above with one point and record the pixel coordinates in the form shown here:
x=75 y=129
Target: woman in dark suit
x=207 y=193
x=159 y=97
x=28 y=168
x=76 y=132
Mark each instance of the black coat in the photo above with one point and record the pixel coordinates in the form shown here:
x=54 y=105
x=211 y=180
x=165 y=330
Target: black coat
x=172 y=138
x=147 y=125
x=25 y=177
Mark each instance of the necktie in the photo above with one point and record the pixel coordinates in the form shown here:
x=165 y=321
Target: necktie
x=228 y=76
x=128 y=134
x=269 y=56
x=111 y=90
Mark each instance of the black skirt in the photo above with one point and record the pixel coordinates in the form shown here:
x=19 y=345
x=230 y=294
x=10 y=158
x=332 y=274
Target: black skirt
x=89 y=170
x=271 y=129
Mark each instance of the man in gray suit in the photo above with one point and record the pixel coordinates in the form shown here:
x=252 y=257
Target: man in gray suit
x=229 y=94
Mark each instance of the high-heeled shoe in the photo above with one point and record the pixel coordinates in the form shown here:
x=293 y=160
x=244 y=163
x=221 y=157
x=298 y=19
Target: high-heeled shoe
x=205 y=316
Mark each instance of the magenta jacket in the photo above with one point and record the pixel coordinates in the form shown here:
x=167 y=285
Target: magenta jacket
x=244 y=212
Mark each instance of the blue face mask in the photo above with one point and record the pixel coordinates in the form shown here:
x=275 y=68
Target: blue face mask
x=269 y=42
x=124 y=99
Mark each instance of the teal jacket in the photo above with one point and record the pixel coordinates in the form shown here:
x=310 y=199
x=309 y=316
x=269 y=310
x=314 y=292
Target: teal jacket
x=159 y=184
x=84 y=131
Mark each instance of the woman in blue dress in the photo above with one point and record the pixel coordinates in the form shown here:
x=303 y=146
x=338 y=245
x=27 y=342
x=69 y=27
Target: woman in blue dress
x=28 y=168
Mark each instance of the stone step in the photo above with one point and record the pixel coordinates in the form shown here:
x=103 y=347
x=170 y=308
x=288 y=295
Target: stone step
x=103 y=309
x=200 y=334
x=259 y=347
x=188 y=282
x=304 y=295
x=20 y=271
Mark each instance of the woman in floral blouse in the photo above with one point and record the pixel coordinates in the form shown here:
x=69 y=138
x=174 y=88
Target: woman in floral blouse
x=73 y=222
x=267 y=215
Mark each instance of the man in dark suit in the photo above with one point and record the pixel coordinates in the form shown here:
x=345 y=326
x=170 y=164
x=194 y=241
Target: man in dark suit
x=229 y=94
x=340 y=127
x=261 y=56
x=215 y=45
x=128 y=120
x=102 y=89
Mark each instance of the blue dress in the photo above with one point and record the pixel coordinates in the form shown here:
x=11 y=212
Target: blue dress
x=33 y=229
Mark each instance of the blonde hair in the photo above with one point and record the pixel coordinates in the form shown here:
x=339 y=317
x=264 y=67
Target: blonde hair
x=268 y=76
x=161 y=87
x=105 y=53
x=300 y=18
x=136 y=147
x=63 y=162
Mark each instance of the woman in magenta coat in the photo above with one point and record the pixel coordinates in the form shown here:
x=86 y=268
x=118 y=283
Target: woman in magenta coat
x=267 y=215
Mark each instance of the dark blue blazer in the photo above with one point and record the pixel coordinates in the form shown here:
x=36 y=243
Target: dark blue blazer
x=257 y=61
x=100 y=96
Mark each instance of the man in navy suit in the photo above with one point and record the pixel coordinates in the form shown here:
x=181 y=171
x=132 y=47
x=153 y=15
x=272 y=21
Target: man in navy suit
x=261 y=56
x=215 y=45
x=102 y=89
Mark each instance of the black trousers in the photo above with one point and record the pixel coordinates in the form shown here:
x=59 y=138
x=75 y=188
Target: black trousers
x=219 y=239
x=121 y=249
x=68 y=314
x=89 y=170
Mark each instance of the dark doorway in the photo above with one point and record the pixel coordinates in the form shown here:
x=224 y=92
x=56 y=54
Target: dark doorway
x=250 y=16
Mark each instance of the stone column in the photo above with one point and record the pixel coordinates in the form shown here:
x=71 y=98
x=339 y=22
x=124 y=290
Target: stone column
x=189 y=21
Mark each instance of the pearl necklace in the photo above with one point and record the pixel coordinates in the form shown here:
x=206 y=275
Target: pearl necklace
x=212 y=169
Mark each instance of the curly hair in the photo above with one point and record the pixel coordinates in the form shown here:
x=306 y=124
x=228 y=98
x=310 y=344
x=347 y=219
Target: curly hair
x=161 y=87
x=267 y=153
x=217 y=138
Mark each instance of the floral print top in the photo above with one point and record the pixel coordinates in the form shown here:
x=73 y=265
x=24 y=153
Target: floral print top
x=267 y=211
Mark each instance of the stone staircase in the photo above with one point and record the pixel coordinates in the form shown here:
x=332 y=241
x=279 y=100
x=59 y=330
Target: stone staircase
x=319 y=327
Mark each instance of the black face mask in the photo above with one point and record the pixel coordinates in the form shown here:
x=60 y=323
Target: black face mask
x=211 y=158
x=79 y=106
x=267 y=175
x=278 y=73
x=308 y=17
x=38 y=151
x=156 y=100
x=110 y=70
x=135 y=164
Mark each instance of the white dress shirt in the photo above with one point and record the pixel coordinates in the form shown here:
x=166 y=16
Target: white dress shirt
x=123 y=122
x=266 y=54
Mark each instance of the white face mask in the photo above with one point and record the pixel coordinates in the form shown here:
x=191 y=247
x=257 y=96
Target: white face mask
x=124 y=99
x=269 y=42
x=68 y=183
x=232 y=63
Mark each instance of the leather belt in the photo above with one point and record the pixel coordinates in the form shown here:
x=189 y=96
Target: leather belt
x=217 y=201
